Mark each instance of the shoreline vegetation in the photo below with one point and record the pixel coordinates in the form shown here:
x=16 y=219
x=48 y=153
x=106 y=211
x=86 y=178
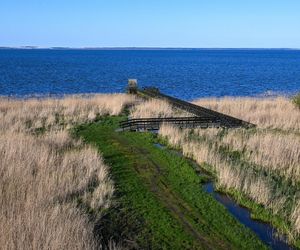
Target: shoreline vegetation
x=259 y=167
x=160 y=196
x=54 y=188
x=61 y=185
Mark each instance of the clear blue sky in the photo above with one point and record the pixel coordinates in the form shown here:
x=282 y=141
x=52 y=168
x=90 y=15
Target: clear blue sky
x=151 y=23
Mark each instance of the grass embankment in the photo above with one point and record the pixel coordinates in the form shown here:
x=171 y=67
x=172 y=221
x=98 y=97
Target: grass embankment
x=160 y=201
x=259 y=167
x=267 y=192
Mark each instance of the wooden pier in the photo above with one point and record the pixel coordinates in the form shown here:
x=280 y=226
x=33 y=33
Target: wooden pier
x=203 y=117
x=226 y=120
x=144 y=124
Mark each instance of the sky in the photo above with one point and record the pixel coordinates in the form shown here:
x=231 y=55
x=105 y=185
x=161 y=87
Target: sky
x=151 y=23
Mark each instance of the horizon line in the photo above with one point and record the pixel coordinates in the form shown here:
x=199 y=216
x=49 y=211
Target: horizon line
x=145 y=48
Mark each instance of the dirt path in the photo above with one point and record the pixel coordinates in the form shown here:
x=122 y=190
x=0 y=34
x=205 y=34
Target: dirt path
x=177 y=206
x=161 y=202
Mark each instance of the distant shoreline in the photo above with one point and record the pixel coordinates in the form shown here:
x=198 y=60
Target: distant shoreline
x=133 y=48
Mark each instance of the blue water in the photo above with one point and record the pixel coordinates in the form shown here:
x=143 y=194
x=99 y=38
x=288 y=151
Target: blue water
x=187 y=74
x=264 y=231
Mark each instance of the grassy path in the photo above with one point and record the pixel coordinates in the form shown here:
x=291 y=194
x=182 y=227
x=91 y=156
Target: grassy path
x=160 y=201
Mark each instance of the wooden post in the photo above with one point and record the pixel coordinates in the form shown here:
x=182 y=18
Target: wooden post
x=132 y=86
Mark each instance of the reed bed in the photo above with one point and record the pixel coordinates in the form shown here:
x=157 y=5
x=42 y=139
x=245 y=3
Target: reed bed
x=229 y=174
x=49 y=181
x=276 y=113
x=156 y=108
x=248 y=161
x=31 y=114
x=272 y=151
x=39 y=182
x=269 y=150
x=232 y=176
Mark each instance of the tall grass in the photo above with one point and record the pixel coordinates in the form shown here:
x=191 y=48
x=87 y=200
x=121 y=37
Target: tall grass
x=229 y=174
x=57 y=113
x=39 y=182
x=279 y=112
x=49 y=182
x=274 y=151
x=250 y=161
x=155 y=108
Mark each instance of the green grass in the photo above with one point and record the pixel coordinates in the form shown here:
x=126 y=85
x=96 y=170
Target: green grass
x=159 y=200
x=279 y=183
x=296 y=100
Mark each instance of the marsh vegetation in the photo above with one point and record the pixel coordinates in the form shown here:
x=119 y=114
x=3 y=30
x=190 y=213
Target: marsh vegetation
x=260 y=167
x=54 y=188
x=66 y=174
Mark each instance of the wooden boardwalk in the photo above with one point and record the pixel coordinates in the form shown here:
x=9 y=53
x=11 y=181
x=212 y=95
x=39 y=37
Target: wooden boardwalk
x=204 y=117
x=182 y=122
x=226 y=120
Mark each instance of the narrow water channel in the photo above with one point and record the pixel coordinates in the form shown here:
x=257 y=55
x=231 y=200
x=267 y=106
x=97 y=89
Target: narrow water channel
x=266 y=232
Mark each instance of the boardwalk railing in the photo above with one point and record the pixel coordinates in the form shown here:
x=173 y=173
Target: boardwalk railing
x=204 y=118
x=225 y=120
x=182 y=122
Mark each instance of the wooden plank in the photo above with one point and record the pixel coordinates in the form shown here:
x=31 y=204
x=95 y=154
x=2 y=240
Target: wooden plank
x=198 y=110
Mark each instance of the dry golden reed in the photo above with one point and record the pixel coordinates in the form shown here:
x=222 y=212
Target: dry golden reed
x=272 y=151
x=155 y=108
x=274 y=146
x=229 y=175
x=278 y=112
x=31 y=114
x=38 y=179
x=42 y=176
